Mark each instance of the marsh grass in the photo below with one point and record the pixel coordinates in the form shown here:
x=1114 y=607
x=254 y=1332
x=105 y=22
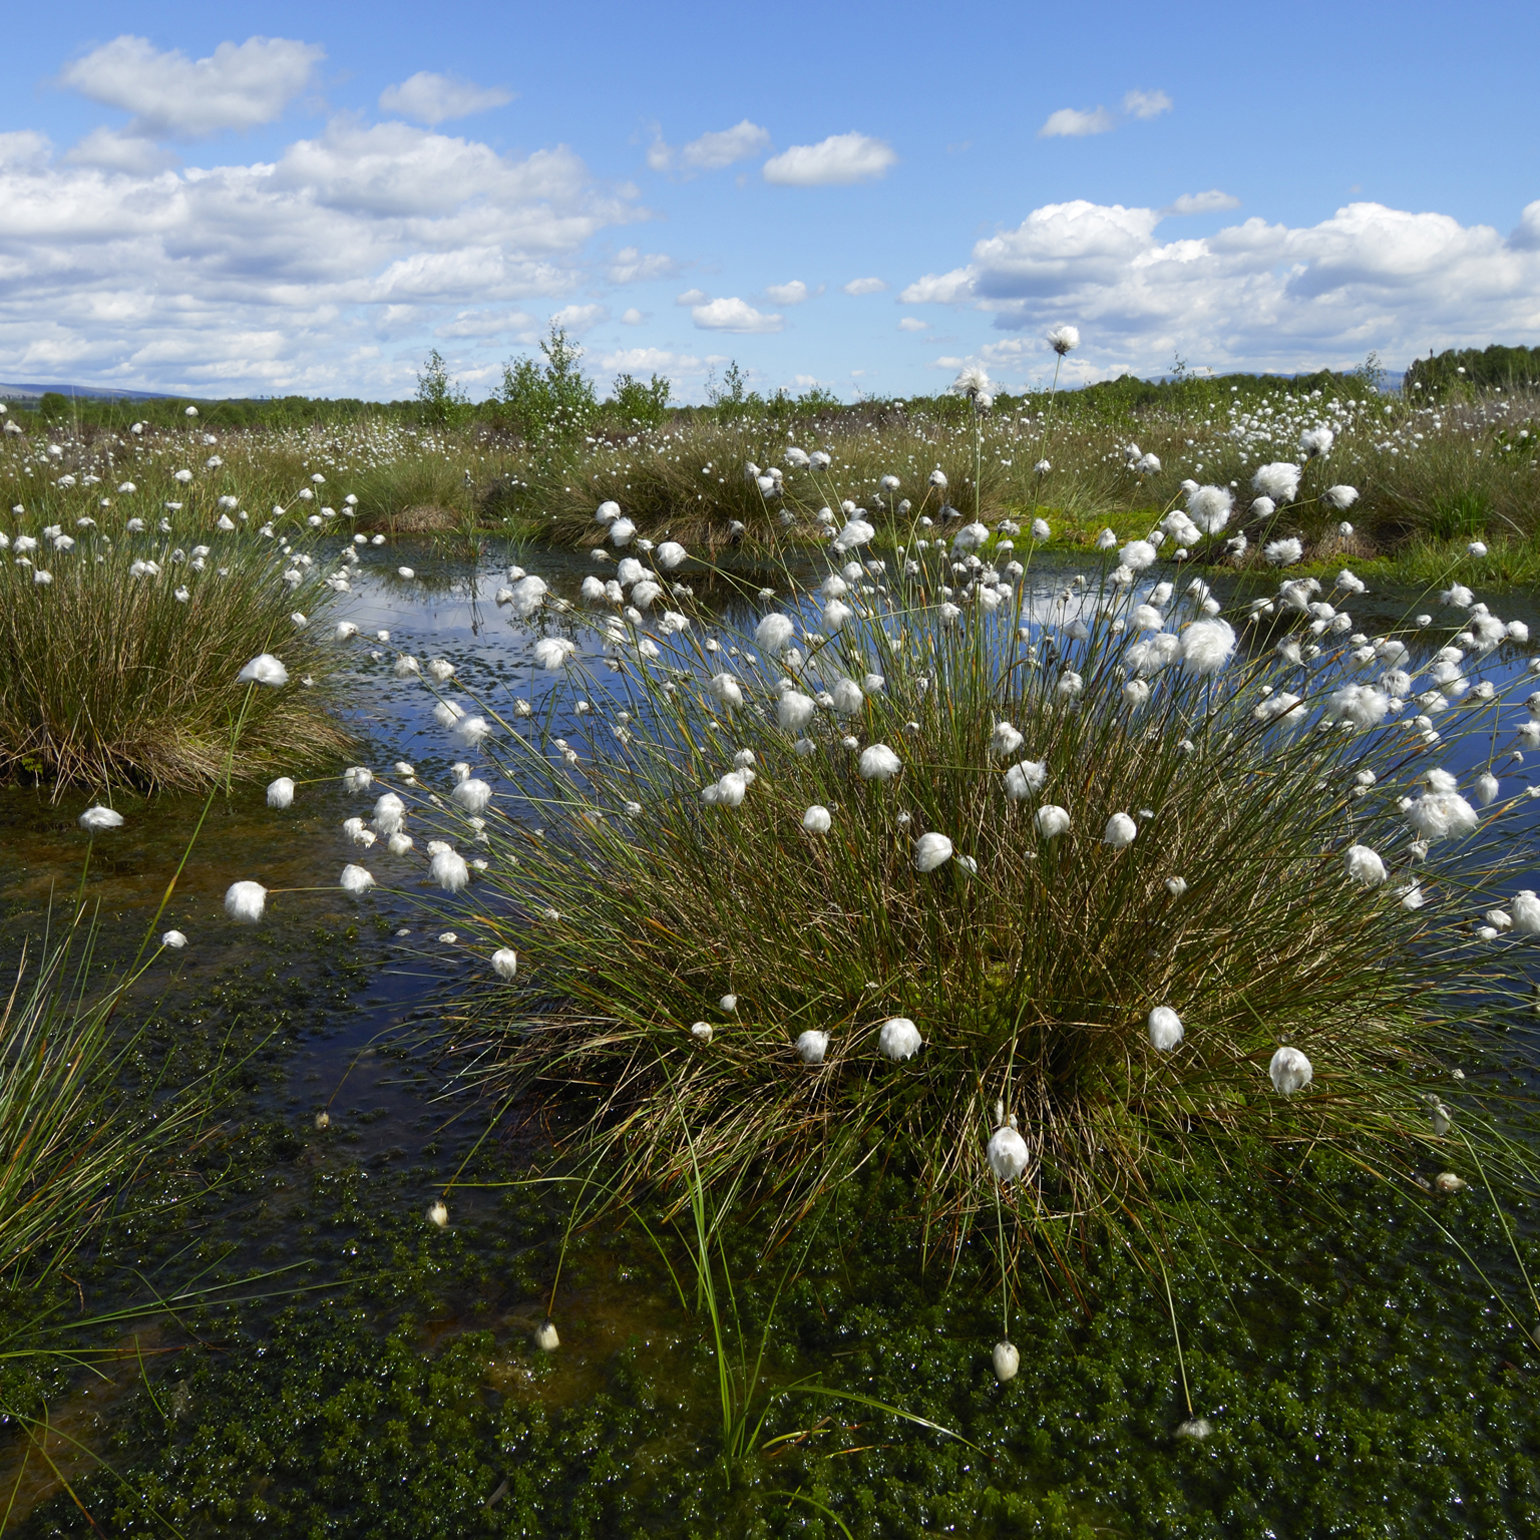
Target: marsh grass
x=635 y=908
x=107 y=678
x=72 y=1141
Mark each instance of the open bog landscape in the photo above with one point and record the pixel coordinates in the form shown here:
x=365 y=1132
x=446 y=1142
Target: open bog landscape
x=632 y=909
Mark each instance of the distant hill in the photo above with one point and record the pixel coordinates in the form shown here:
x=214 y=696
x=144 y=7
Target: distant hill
x=21 y=393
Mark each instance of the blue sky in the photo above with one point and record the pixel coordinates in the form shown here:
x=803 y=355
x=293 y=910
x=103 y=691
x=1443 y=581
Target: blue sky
x=245 y=199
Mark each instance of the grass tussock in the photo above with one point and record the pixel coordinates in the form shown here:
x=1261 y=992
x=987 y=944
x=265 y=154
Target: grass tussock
x=683 y=917
x=119 y=653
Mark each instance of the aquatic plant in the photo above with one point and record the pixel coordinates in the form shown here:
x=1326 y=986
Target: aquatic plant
x=1093 y=847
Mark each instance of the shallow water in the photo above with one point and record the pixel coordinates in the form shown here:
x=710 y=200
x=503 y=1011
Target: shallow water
x=349 y=1046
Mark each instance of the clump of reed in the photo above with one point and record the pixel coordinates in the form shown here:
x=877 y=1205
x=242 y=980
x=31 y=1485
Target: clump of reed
x=1037 y=893
x=120 y=641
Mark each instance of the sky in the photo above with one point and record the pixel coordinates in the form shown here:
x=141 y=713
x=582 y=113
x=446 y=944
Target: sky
x=242 y=200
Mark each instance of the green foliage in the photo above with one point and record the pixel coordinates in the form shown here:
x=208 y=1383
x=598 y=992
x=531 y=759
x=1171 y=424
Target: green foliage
x=441 y=401
x=639 y=405
x=1466 y=370
x=72 y=1141
x=550 y=404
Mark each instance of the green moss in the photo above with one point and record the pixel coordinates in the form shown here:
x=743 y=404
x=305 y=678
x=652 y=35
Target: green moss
x=1359 y=1384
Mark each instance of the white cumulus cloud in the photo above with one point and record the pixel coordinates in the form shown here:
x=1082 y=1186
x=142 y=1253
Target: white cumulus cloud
x=912 y=323
x=433 y=99
x=295 y=274
x=631 y=317
x=238 y=86
x=865 y=286
x=579 y=318
x=710 y=152
x=1211 y=202
x=633 y=265
x=1146 y=104
x=837 y=161
x=1071 y=123
x=1253 y=294
x=792 y=293
x=733 y=315
x=1074 y=123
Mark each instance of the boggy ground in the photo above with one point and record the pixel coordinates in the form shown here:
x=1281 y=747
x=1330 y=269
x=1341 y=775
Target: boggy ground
x=1359 y=1376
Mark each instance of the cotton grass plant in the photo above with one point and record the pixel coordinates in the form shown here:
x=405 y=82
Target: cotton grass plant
x=121 y=635
x=1035 y=894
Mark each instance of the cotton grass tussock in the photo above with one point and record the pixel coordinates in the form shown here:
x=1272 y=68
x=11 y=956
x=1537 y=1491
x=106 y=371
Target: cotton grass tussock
x=764 y=840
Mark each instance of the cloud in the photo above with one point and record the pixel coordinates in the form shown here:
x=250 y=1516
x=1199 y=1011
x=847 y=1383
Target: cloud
x=691 y=297
x=486 y=324
x=239 y=86
x=657 y=361
x=291 y=274
x=733 y=315
x=1253 y=294
x=433 y=99
x=579 y=318
x=912 y=323
x=631 y=317
x=1070 y=123
x=837 y=161
x=792 y=293
x=1146 y=104
x=1210 y=202
x=113 y=150
x=865 y=286
x=632 y=265
x=711 y=152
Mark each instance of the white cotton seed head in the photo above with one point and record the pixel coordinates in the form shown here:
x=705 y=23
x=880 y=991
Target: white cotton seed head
x=1025 y=779
x=1052 y=821
x=263 y=669
x=174 y=939
x=357 y=778
x=1290 y=1071
x=1004 y=740
x=1008 y=1153
x=794 y=710
x=471 y=796
x=355 y=880
x=280 y=793
x=449 y=871
x=931 y=851
x=1165 y=1028
x=1525 y=911
x=773 y=633
x=848 y=697
x=879 y=763
x=95 y=819
x=245 y=901
x=725 y=690
x=817 y=820
x=812 y=1045
x=505 y=962
x=1365 y=866
x=1207 y=646
x=899 y=1038
x=1120 y=832
x=1006 y=1360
